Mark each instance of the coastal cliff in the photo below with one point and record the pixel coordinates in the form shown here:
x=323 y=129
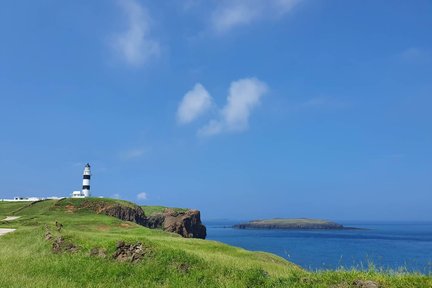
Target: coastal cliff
x=184 y=222
x=290 y=223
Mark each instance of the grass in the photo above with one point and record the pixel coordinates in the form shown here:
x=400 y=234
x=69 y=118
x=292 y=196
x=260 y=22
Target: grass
x=150 y=210
x=80 y=201
x=8 y=208
x=26 y=259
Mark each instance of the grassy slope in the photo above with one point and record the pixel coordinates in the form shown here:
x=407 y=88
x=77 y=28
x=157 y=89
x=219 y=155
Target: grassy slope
x=26 y=259
x=150 y=210
x=7 y=208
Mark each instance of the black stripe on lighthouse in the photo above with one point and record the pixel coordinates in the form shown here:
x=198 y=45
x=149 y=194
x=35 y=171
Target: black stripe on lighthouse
x=86 y=187
x=86 y=177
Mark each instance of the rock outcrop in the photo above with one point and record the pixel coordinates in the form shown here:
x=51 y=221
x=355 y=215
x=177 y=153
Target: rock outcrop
x=187 y=224
x=155 y=221
x=128 y=214
x=130 y=252
x=61 y=245
x=366 y=284
x=132 y=213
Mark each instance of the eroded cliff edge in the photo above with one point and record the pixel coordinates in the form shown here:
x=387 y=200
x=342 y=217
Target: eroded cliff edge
x=186 y=223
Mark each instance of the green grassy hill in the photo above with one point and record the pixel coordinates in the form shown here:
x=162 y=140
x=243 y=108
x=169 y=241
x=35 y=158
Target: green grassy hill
x=27 y=258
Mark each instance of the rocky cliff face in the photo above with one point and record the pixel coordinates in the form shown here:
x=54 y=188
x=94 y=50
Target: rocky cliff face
x=188 y=224
x=123 y=212
x=156 y=220
x=128 y=214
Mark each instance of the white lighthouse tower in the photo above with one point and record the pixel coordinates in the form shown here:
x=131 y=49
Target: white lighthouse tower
x=86 y=181
x=85 y=192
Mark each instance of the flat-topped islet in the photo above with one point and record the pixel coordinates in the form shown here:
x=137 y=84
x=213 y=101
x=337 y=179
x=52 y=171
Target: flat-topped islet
x=290 y=223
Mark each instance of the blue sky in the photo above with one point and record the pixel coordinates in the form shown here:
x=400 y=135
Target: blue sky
x=242 y=109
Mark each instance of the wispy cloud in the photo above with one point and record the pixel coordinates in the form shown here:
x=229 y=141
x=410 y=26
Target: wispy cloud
x=323 y=102
x=115 y=196
x=230 y=14
x=415 y=55
x=134 y=153
x=244 y=95
x=195 y=103
x=142 y=196
x=135 y=45
x=78 y=164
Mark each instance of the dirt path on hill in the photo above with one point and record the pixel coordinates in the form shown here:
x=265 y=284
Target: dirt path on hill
x=11 y=218
x=5 y=231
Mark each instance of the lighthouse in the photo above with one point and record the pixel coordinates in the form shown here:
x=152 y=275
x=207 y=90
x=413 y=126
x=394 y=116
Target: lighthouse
x=86 y=181
x=85 y=192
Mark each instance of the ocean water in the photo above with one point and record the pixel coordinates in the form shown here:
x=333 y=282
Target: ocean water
x=389 y=246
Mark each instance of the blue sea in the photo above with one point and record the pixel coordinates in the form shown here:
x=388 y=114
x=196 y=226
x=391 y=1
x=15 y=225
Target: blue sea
x=389 y=246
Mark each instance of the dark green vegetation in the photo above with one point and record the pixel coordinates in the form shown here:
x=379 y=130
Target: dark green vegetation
x=27 y=259
x=290 y=223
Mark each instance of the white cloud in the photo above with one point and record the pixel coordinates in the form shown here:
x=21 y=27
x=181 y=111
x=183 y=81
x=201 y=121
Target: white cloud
x=135 y=45
x=236 y=13
x=116 y=196
x=194 y=104
x=212 y=128
x=285 y=6
x=244 y=95
x=142 y=196
x=233 y=13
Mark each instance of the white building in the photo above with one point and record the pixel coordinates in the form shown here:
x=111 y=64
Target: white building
x=77 y=194
x=31 y=199
x=85 y=192
x=17 y=199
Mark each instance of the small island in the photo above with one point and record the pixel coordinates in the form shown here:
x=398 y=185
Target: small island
x=291 y=223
